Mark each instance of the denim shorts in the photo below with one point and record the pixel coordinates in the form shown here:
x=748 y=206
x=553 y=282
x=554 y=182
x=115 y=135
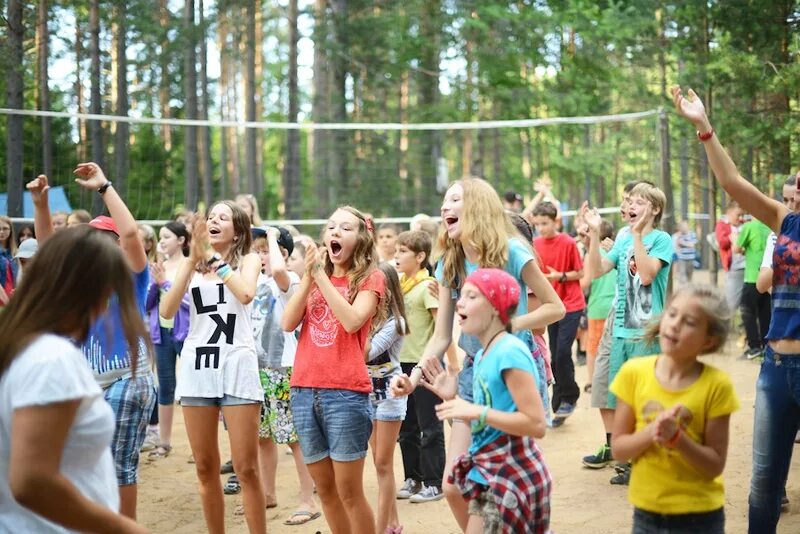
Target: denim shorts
x=465 y=378
x=132 y=400
x=335 y=423
x=389 y=408
x=226 y=400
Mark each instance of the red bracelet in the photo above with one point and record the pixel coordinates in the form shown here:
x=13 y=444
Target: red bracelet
x=671 y=442
x=705 y=136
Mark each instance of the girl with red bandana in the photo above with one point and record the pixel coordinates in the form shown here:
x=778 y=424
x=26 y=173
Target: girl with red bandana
x=502 y=476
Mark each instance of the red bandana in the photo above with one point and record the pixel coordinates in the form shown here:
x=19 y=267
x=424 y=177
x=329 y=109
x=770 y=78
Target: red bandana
x=499 y=288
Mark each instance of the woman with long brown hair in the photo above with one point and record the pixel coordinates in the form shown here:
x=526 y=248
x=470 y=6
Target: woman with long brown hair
x=54 y=423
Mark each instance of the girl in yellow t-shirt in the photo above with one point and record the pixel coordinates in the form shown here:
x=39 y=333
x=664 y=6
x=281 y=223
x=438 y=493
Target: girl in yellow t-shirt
x=673 y=416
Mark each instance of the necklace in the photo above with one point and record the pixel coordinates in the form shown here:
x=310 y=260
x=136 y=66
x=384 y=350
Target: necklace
x=489 y=344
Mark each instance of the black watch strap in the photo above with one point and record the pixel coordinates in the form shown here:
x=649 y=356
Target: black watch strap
x=102 y=189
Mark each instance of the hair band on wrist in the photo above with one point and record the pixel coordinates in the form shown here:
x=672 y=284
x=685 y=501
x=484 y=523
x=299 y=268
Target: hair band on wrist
x=705 y=136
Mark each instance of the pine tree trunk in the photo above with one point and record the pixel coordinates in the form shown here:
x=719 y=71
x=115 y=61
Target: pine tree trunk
x=341 y=145
x=43 y=35
x=190 y=171
x=80 y=149
x=291 y=170
x=205 y=131
x=14 y=88
x=96 y=105
x=165 y=78
x=321 y=110
x=250 y=98
x=122 y=131
x=222 y=40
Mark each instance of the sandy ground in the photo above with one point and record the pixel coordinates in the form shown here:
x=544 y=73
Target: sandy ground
x=583 y=500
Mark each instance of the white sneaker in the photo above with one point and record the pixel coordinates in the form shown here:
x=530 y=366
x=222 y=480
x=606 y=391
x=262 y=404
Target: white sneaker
x=410 y=487
x=151 y=441
x=428 y=494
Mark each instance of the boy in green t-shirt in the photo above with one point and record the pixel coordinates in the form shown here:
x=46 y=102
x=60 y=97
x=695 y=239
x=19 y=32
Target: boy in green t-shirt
x=755 y=306
x=421 y=434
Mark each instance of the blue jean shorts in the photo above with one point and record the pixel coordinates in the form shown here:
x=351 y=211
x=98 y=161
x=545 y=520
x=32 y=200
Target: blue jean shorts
x=335 y=423
x=132 y=400
x=226 y=400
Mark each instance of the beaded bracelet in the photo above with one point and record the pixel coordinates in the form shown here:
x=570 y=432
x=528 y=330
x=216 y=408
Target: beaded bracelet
x=224 y=271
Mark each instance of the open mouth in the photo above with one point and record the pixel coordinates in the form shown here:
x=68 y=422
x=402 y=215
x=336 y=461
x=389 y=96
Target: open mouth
x=450 y=222
x=461 y=318
x=214 y=231
x=336 y=248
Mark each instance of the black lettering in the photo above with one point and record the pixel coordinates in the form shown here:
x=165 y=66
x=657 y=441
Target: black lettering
x=197 y=298
x=208 y=352
x=223 y=327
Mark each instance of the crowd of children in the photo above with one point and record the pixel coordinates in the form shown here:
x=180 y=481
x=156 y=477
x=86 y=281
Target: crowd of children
x=344 y=345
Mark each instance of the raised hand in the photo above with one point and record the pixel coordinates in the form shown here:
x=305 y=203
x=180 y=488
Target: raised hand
x=607 y=244
x=90 y=175
x=199 y=248
x=312 y=258
x=458 y=408
x=590 y=217
x=689 y=107
x=433 y=288
x=667 y=424
x=38 y=188
x=273 y=232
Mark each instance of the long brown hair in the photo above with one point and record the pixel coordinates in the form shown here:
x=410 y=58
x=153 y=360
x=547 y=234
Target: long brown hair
x=12 y=242
x=485 y=227
x=241 y=229
x=393 y=304
x=365 y=255
x=70 y=277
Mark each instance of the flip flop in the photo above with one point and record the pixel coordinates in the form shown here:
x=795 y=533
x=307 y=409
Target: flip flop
x=304 y=515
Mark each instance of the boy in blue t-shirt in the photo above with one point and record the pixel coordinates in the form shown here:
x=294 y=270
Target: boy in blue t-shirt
x=642 y=258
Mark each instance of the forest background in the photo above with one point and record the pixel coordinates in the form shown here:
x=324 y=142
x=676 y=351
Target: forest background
x=386 y=61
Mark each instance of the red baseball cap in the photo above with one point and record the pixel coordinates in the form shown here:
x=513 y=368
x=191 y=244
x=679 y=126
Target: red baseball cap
x=102 y=222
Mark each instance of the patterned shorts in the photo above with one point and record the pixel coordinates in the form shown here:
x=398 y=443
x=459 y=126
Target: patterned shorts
x=132 y=400
x=484 y=506
x=276 y=415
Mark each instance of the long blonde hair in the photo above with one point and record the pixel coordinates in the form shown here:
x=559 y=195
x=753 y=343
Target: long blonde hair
x=485 y=227
x=365 y=255
x=12 y=242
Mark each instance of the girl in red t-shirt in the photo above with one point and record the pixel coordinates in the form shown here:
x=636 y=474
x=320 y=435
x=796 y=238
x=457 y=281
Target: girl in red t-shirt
x=337 y=299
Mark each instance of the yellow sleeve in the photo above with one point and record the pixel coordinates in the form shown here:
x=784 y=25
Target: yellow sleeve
x=724 y=400
x=624 y=383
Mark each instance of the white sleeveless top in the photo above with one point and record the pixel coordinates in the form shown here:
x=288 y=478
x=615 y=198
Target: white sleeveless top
x=219 y=354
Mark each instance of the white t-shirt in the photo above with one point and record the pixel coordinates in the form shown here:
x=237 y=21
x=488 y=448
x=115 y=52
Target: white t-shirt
x=275 y=348
x=218 y=356
x=766 y=260
x=51 y=370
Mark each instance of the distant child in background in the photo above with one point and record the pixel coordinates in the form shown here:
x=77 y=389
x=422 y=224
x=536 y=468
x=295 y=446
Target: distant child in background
x=250 y=206
x=726 y=232
x=148 y=236
x=24 y=255
x=8 y=267
x=564 y=268
x=385 y=241
x=276 y=351
x=421 y=434
x=25 y=232
x=673 y=417
x=601 y=297
x=383 y=364
x=756 y=312
x=78 y=217
x=59 y=220
x=297 y=259
x=502 y=476
x=684 y=241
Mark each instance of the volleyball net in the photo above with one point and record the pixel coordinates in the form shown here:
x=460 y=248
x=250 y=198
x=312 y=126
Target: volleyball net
x=392 y=170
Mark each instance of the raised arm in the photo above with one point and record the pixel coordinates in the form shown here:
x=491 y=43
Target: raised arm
x=91 y=177
x=751 y=199
x=594 y=265
x=42 y=223
x=277 y=264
